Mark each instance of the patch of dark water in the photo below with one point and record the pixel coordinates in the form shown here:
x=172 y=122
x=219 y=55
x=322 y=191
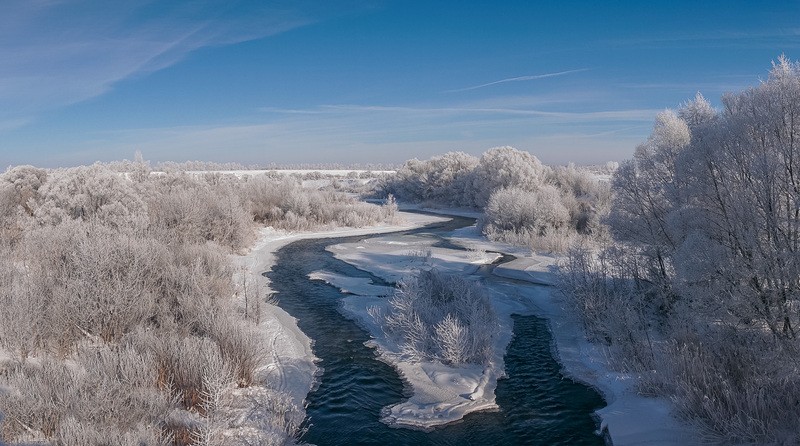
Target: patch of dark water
x=538 y=405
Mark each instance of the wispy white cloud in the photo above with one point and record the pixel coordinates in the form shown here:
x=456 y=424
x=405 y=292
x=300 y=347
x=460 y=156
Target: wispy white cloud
x=646 y=115
x=707 y=88
x=518 y=79
x=59 y=52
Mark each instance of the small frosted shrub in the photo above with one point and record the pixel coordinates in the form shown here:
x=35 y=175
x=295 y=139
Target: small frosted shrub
x=108 y=395
x=441 y=317
x=538 y=219
x=284 y=203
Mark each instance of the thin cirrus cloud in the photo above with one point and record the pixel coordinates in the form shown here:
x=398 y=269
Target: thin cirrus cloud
x=643 y=115
x=769 y=39
x=350 y=131
x=58 y=53
x=518 y=79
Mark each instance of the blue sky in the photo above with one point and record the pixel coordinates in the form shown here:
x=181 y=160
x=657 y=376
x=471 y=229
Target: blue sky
x=351 y=81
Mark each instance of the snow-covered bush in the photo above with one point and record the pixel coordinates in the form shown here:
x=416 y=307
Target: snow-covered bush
x=458 y=179
x=505 y=167
x=116 y=287
x=107 y=396
x=91 y=194
x=445 y=179
x=197 y=211
x=447 y=318
x=284 y=203
x=19 y=191
x=615 y=308
x=526 y=202
x=587 y=198
x=518 y=210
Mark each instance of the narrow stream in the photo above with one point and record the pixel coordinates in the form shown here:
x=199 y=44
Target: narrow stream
x=538 y=406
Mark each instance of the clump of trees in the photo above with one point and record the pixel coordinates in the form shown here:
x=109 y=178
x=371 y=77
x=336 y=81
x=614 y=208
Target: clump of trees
x=440 y=317
x=706 y=220
x=117 y=308
x=284 y=203
x=525 y=202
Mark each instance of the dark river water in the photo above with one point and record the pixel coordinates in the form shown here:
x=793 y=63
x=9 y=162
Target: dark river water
x=538 y=405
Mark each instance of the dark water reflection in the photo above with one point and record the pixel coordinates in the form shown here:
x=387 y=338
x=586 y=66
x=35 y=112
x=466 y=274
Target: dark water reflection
x=538 y=406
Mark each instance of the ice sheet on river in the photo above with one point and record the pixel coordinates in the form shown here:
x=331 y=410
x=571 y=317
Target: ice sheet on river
x=393 y=257
x=360 y=286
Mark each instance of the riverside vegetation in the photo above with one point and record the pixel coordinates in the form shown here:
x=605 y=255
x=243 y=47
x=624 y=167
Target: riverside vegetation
x=121 y=320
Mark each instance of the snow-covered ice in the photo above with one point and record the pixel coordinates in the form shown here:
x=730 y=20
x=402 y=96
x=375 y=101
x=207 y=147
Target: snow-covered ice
x=360 y=286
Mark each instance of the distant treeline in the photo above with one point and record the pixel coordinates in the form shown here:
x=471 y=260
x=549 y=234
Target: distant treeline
x=525 y=202
x=187 y=166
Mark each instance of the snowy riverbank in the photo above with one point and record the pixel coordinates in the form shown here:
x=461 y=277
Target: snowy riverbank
x=290 y=367
x=629 y=418
x=444 y=394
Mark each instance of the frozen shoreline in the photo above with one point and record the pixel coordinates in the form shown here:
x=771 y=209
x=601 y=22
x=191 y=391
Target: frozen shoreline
x=291 y=368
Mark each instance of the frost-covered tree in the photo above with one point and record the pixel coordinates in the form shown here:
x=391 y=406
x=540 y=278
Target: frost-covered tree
x=444 y=179
x=435 y=316
x=93 y=194
x=21 y=187
x=647 y=190
x=745 y=206
x=524 y=212
x=504 y=167
x=526 y=202
x=707 y=214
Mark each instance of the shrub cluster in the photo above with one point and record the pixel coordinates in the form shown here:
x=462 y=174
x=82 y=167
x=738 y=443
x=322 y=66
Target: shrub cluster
x=525 y=202
x=446 y=318
x=284 y=203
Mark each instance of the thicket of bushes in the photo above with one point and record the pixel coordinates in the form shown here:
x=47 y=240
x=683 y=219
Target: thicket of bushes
x=525 y=202
x=436 y=316
x=700 y=292
x=116 y=305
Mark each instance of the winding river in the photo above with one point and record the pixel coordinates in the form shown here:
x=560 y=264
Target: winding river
x=538 y=406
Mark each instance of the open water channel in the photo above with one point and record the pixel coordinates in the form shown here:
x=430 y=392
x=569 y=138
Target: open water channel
x=538 y=405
